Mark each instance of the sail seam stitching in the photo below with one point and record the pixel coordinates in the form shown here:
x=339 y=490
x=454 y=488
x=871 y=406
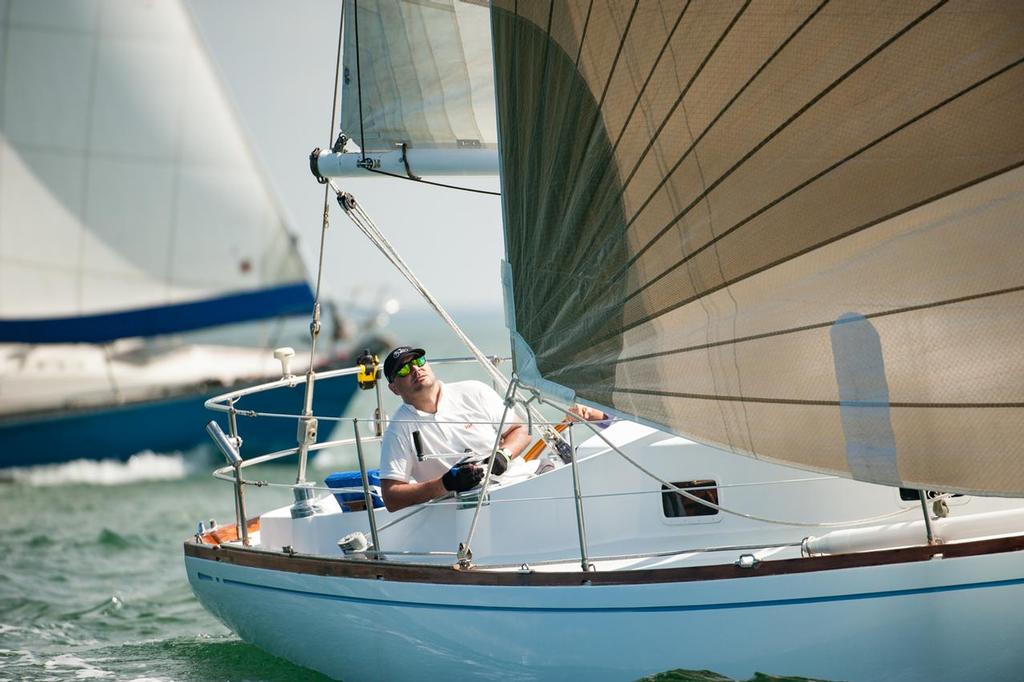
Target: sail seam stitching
x=822 y=325
x=682 y=94
x=618 y=55
x=583 y=35
x=809 y=181
x=739 y=93
x=812 y=247
x=785 y=124
x=650 y=76
x=821 y=403
x=557 y=292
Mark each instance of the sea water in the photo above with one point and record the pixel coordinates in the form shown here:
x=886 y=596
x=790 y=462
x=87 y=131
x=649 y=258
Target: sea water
x=92 y=580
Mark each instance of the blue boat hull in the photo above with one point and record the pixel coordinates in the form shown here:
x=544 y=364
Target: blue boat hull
x=166 y=425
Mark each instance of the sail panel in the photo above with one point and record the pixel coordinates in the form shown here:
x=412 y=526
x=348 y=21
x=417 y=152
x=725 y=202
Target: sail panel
x=121 y=188
x=788 y=229
x=422 y=77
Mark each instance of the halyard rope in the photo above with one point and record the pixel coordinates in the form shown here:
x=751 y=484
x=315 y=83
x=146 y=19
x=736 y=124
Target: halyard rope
x=712 y=505
x=366 y=225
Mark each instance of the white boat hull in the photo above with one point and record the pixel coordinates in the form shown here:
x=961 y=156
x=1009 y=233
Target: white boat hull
x=943 y=619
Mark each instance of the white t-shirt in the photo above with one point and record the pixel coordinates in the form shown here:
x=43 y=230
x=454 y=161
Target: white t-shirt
x=467 y=417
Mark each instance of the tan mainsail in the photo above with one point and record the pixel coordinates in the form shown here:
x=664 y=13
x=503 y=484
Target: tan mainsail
x=794 y=230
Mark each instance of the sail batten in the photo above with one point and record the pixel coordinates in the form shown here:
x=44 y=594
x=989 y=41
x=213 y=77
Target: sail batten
x=791 y=230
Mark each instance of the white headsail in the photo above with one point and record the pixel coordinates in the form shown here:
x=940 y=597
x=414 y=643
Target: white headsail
x=789 y=229
x=417 y=86
x=130 y=203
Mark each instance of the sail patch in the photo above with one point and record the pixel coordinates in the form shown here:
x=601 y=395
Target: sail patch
x=864 y=400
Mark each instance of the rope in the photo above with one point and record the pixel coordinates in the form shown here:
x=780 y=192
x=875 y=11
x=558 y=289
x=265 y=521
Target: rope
x=712 y=505
x=314 y=324
x=366 y=225
x=359 y=79
x=435 y=184
x=509 y=396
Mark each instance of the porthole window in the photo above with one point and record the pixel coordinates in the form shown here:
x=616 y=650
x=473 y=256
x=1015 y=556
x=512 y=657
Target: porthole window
x=675 y=505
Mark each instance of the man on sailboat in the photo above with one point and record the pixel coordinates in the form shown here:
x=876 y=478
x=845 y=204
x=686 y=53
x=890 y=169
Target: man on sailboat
x=454 y=420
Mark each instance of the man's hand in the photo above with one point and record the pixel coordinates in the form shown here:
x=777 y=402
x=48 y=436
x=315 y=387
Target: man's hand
x=588 y=413
x=462 y=477
x=500 y=461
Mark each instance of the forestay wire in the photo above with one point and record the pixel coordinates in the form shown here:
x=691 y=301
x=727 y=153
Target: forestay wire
x=366 y=225
x=377 y=238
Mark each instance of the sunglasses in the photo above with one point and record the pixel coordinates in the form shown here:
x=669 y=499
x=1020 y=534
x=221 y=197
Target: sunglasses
x=405 y=369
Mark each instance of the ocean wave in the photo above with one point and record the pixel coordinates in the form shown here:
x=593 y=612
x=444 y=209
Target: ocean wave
x=144 y=466
x=213 y=657
x=113 y=540
x=83 y=670
x=107 y=606
x=63 y=634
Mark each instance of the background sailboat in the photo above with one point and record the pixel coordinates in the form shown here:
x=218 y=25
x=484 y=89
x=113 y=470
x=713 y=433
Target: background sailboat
x=131 y=207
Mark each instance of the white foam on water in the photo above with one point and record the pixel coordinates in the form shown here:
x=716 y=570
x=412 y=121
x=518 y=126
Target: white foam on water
x=144 y=466
x=21 y=657
x=83 y=669
x=337 y=460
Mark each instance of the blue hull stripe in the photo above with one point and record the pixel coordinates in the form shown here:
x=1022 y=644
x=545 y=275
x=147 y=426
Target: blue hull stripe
x=165 y=425
x=287 y=299
x=639 y=609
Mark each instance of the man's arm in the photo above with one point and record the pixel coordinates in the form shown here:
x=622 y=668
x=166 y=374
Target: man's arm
x=399 y=494
x=460 y=478
x=515 y=439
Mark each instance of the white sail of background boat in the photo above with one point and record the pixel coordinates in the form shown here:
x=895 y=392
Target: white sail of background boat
x=787 y=236
x=131 y=206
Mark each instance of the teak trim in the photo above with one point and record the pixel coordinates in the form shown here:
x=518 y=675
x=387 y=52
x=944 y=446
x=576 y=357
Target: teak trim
x=452 y=575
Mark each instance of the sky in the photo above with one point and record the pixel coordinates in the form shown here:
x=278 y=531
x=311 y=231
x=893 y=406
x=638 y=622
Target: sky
x=277 y=63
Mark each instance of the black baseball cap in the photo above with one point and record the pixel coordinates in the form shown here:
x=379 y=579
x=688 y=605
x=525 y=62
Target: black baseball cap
x=398 y=357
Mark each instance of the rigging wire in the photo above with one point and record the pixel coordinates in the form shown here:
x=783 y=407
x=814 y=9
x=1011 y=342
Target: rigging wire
x=314 y=324
x=366 y=225
x=712 y=505
x=330 y=134
x=430 y=182
x=359 y=80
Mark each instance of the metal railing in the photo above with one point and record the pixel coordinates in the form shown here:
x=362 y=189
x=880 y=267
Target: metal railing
x=229 y=444
x=303 y=491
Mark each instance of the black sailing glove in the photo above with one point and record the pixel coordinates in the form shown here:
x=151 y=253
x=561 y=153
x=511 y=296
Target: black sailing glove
x=500 y=461
x=462 y=477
